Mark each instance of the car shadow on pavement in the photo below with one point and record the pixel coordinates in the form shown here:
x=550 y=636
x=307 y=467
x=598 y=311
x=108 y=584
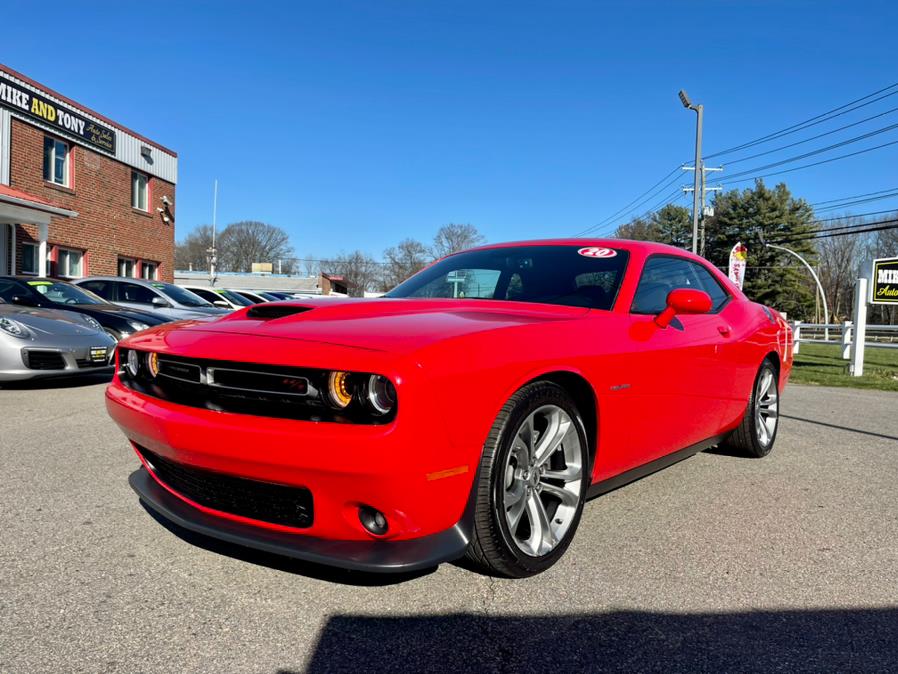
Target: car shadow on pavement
x=841 y=428
x=58 y=382
x=623 y=641
x=285 y=564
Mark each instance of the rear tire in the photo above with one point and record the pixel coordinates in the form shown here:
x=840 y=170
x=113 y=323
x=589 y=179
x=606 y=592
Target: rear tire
x=756 y=433
x=532 y=483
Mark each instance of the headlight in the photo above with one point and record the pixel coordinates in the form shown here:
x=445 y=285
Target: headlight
x=153 y=363
x=13 y=328
x=137 y=326
x=381 y=394
x=339 y=390
x=133 y=364
x=92 y=322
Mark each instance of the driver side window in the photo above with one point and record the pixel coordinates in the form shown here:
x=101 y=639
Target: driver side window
x=663 y=273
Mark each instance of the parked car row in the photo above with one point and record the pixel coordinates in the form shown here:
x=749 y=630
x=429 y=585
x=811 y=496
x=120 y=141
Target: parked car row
x=51 y=328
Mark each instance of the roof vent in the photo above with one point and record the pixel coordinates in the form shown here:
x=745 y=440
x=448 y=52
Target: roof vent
x=267 y=312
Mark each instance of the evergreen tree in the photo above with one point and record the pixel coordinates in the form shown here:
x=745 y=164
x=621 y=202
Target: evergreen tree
x=671 y=225
x=773 y=277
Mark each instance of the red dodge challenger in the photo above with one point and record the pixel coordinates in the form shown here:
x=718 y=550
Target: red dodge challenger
x=471 y=411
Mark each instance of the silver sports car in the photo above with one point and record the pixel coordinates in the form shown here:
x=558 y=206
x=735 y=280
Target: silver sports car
x=50 y=343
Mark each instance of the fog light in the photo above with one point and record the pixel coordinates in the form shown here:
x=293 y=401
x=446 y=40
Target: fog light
x=373 y=520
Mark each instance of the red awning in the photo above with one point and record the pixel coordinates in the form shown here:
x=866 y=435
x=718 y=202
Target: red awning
x=19 y=198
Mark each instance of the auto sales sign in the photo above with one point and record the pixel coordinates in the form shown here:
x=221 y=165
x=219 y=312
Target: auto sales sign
x=885 y=281
x=66 y=121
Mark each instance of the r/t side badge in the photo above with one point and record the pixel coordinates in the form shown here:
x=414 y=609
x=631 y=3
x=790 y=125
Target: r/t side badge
x=596 y=251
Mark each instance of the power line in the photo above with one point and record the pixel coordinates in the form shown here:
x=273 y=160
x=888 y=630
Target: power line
x=629 y=208
x=816 y=163
x=854 y=215
x=854 y=196
x=862 y=228
x=808 y=140
x=813 y=121
x=858 y=201
x=821 y=150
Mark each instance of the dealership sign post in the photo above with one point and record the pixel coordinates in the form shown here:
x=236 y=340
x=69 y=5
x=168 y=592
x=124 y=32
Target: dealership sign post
x=880 y=287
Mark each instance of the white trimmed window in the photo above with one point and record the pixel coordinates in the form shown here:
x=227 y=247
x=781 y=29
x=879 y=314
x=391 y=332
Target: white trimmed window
x=149 y=270
x=56 y=161
x=69 y=262
x=127 y=267
x=30 y=258
x=140 y=188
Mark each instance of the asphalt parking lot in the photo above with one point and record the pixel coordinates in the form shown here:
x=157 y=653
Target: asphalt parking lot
x=716 y=564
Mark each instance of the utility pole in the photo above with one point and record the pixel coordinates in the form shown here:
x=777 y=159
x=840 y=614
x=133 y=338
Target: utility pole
x=699 y=110
x=706 y=211
x=211 y=251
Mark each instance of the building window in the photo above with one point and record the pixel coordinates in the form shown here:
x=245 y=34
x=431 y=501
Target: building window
x=56 y=161
x=127 y=267
x=69 y=263
x=139 y=191
x=148 y=270
x=30 y=258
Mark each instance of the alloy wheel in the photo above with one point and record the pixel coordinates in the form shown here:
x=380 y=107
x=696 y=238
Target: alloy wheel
x=767 y=407
x=542 y=480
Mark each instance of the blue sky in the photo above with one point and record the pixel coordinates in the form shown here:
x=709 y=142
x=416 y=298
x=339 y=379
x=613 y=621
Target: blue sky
x=357 y=124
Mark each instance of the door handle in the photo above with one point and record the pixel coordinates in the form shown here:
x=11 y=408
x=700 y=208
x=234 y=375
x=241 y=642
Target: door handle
x=724 y=330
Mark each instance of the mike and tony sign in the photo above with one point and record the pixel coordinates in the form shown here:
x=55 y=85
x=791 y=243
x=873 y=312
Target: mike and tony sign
x=884 y=285
x=66 y=121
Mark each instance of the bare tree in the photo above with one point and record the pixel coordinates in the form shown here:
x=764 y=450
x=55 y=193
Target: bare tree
x=403 y=260
x=241 y=244
x=190 y=253
x=359 y=270
x=453 y=238
x=311 y=266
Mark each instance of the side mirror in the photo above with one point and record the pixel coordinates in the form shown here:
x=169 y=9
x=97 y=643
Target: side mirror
x=159 y=302
x=23 y=301
x=683 y=301
x=222 y=304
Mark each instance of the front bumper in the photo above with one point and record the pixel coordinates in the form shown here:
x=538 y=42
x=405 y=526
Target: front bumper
x=382 y=556
x=74 y=361
x=404 y=469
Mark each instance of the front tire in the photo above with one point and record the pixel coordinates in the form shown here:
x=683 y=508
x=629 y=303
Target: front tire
x=534 y=473
x=756 y=433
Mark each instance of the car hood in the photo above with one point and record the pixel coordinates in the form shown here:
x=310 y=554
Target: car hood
x=49 y=321
x=382 y=324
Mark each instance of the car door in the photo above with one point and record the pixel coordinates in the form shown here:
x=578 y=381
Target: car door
x=671 y=396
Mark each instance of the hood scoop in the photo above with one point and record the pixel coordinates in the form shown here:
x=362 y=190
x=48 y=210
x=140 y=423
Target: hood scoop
x=267 y=312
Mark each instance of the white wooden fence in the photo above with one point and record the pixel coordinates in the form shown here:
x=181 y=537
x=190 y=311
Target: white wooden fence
x=877 y=336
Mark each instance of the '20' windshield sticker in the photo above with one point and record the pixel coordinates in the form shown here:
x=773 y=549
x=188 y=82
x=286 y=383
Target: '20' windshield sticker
x=596 y=251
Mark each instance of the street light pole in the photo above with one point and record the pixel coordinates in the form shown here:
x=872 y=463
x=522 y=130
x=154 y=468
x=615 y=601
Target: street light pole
x=816 y=280
x=696 y=194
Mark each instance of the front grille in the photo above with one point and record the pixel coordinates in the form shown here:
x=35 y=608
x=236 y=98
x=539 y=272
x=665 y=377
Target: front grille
x=243 y=388
x=263 y=501
x=44 y=360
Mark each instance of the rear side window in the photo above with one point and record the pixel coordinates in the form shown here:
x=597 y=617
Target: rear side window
x=207 y=295
x=663 y=273
x=131 y=292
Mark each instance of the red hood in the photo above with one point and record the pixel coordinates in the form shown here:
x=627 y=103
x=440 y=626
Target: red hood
x=393 y=325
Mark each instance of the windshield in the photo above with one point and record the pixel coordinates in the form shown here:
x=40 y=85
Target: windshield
x=64 y=293
x=569 y=275
x=180 y=295
x=235 y=298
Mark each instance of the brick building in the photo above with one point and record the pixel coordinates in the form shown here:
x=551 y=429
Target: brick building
x=80 y=194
